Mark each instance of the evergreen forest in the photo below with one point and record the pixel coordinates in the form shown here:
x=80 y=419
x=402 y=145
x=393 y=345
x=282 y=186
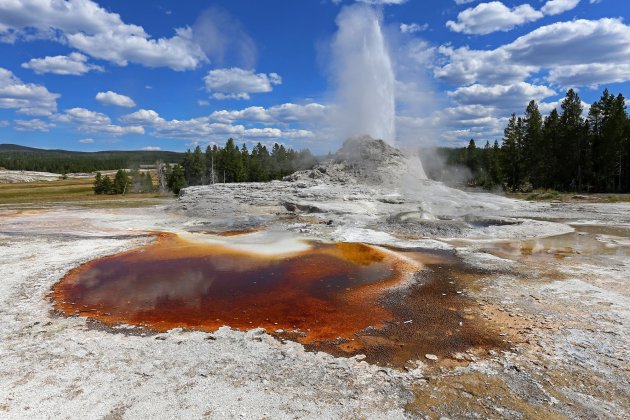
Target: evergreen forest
x=236 y=164
x=563 y=151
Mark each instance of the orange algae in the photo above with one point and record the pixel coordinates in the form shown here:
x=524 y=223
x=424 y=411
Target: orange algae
x=340 y=298
x=323 y=293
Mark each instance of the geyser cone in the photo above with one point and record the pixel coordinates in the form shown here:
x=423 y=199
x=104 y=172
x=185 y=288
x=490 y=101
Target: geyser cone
x=363 y=76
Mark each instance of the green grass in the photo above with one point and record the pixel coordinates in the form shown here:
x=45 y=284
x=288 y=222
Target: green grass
x=75 y=191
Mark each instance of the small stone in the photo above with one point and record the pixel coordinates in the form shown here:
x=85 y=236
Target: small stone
x=431 y=356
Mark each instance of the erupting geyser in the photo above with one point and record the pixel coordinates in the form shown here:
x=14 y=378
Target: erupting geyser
x=364 y=76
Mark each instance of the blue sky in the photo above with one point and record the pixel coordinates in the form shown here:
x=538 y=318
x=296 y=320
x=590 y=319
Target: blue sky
x=97 y=75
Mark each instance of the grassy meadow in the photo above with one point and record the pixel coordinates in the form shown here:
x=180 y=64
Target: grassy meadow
x=71 y=191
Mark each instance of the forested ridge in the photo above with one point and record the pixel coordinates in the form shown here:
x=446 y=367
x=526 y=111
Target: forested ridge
x=564 y=150
x=15 y=157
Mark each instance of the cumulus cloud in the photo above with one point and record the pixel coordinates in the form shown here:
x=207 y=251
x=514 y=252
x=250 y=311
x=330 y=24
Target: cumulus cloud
x=86 y=26
x=466 y=66
x=490 y=17
x=86 y=141
x=510 y=97
x=413 y=28
x=116 y=99
x=555 y=7
x=142 y=117
x=383 y=2
x=584 y=44
x=32 y=125
x=74 y=64
x=250 y=124
x=152 y=148
x=26 y=98
x=486 y=18
x=454 y=125
x=591 y=75
x=88 y=121
x=237 y=83
x=288 y=113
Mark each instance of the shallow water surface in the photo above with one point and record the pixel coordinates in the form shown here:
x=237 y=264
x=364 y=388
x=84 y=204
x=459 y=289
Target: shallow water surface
x=174 y=283
x=341 y=298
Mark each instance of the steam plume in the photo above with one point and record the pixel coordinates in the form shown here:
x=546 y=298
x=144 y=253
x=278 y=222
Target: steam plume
x=363 y=76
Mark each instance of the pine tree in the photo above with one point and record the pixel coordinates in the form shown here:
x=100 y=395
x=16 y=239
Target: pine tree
x=510 y=151
x=534 y=145
x=573 y=142
x=245 y=159
x=495 y=164
x=108 y=185
x=177 y=179
x=472 y=160
x=551 y=165
x=121 y=182
x=98 y=184
x=196 y=167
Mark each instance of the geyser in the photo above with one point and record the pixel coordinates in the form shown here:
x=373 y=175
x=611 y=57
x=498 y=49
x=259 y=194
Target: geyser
x=363 y=76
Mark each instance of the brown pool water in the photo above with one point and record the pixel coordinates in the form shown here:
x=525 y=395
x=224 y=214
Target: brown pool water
x=338 y=298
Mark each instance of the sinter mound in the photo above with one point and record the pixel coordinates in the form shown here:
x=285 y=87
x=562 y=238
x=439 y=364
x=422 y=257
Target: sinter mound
x=364 y=160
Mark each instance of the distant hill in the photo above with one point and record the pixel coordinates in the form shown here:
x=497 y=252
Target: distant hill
x=16 y=157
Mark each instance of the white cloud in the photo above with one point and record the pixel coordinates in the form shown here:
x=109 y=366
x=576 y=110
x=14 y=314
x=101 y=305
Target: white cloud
x=555 y=7
x=86 y=141
x=237 y=83
x=413 y=28
x=32 y=125
x=486 y=18
x=179 y=52
x=466 y=66
x=86 y=26
x=142 y=117
x=591 y=75
x=203 y=102
x=26 y=98
x=116 y=99
x=222 y=124
x=453 y=125
x=73 y=64
x=383 y=2
x=506 y=97
x=490 y=17
x=288 y=113
x=464 y=1
x=586 y=44
x=88 y=121
x=152 y=148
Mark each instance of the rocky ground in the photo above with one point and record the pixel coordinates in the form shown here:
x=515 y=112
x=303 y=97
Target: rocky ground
x=550 y=278
x=13 y=177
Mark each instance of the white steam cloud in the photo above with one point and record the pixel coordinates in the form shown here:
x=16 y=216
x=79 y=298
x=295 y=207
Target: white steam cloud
x=363 y=76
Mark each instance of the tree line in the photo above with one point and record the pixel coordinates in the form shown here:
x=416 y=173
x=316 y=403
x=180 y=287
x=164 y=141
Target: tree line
x=562 y=151
x=21 y=158
x=233 y=164
x=123 y=183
